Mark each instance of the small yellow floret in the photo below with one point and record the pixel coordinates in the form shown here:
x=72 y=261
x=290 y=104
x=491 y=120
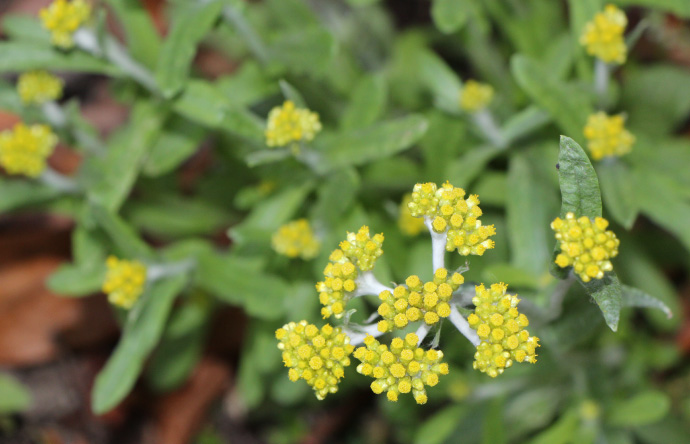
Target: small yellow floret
x=24 y=149
x=603 y=36
x=338 y=285
x=362 y=249
x=475 y=96
x=408 y=224
x=606 y=136
x=39 y=87
x=296 y=239
x=124 y=282
x=63 y=18
x=288 y=124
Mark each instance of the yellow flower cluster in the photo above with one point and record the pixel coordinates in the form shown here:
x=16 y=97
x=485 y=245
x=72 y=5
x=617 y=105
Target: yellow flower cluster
x=408 y=224
x=63 y=18
x=501 y=329
x=124 y=281
x=288 y=124
x=24 y=149
x=338 y=283
x=39 y=87
x=603 y=36
x=448 y=210
x=296 y=239
x=475 y=96
x=317 y=356
x=585 y=245
x=362 y=249
x=418 y=301
x=403 y=368
x=607 y=136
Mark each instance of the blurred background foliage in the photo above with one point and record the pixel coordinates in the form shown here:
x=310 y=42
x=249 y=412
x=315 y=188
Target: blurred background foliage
x=182 y=171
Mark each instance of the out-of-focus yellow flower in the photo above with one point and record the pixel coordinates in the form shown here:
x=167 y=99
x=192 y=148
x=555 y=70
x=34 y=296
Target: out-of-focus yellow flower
x=338 y=284
x=603 y=36
x=296 y=239
x=403 y=368
x=606 y=136
x=501 y=329
x=585 y=245
x=63 y=18
x=288 y=124
x=39 y=87
x=408 y=224
x=428 y=301
x=124 y=281
x=24 y=149
x=317 y=356
x=475 y=96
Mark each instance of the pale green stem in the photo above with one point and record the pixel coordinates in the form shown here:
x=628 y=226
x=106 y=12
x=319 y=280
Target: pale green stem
x=602 y=75
x=156 y=272
x=245 y=30
x=486 y=123
x=54 y=113
x=58 y=181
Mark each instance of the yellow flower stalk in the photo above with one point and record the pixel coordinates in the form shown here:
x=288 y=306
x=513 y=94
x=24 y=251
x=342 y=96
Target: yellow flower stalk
x=585 y=245
x=296 y=239
x=606 y=136
x=475 y=96
x=416 y=301
x=501 y=329
x=603 y=36
x=39 y=87
x=408 y=224
x=317 y=356
x=402 y=368
x=124 y=281
x=288 y=124
x=24 y=149
x=62 y=18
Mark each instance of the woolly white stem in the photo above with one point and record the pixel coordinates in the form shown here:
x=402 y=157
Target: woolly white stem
x=157 y=271
x=602 y=74
x=367 y=284
x=463 y=326
x=58 y=181
x=357 y=334
x=422 y=331
x=54 y=113
x=438 y=245
x=486 y=123
x=86 y=40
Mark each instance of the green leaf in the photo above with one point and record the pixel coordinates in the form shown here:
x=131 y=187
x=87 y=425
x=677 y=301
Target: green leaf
x=303 y=50
x=178 y=51
x=524 y=123
x=367 y=103
x=579 y=183
x=607 y=293
x=117 y=171
x=14 y=397
x=25 y=29
x=681 y=8
x=462 y=171
x=77 y=280
x=568 y=106
x=249 y=84
x=19 y=57
x=442 y=81
x=236 y=282
x=561 y=432
x=634 y=297
x=449 y=15
x=178 y=141
x=142 y=331
x=335 y=196
x=292 y=94
x=438 y=428
x=361 y=146
x=122 y=234
x=618 y=191
x=644 y=408
x=18 y=193
x=143 y=40
x=88 y=246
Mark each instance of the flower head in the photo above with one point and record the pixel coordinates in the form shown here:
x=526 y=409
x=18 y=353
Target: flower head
x=363 y=249
x=63 y=18
x=501 y=329
x=296 y=239
x=585 y=245
x=475 y=96
x=39 y=87
x=317 y=356
x=409 y=225
x=24 y=149
x=339 y=282
x=603 y=36
x=417 y=300
x=124 y=281
x=450 y=213
x=288 y=124
x=607 y=136
x=402 y=368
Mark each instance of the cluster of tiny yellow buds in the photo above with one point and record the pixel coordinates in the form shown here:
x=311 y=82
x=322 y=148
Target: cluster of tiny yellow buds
x=416 y=301
x=585 y=245
x=603 y=36
x=296 y=239
x=39 y=87
x=606 y=135
x=288 y=124
x=451 y=213
x=338 y=284
x=62 y=18
x=501 y=329
x=362 y=249
x=403 y=368
x=24 y=149
x=124 y=281
x=475 y=96
x=317 y=356
x=408 y=224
